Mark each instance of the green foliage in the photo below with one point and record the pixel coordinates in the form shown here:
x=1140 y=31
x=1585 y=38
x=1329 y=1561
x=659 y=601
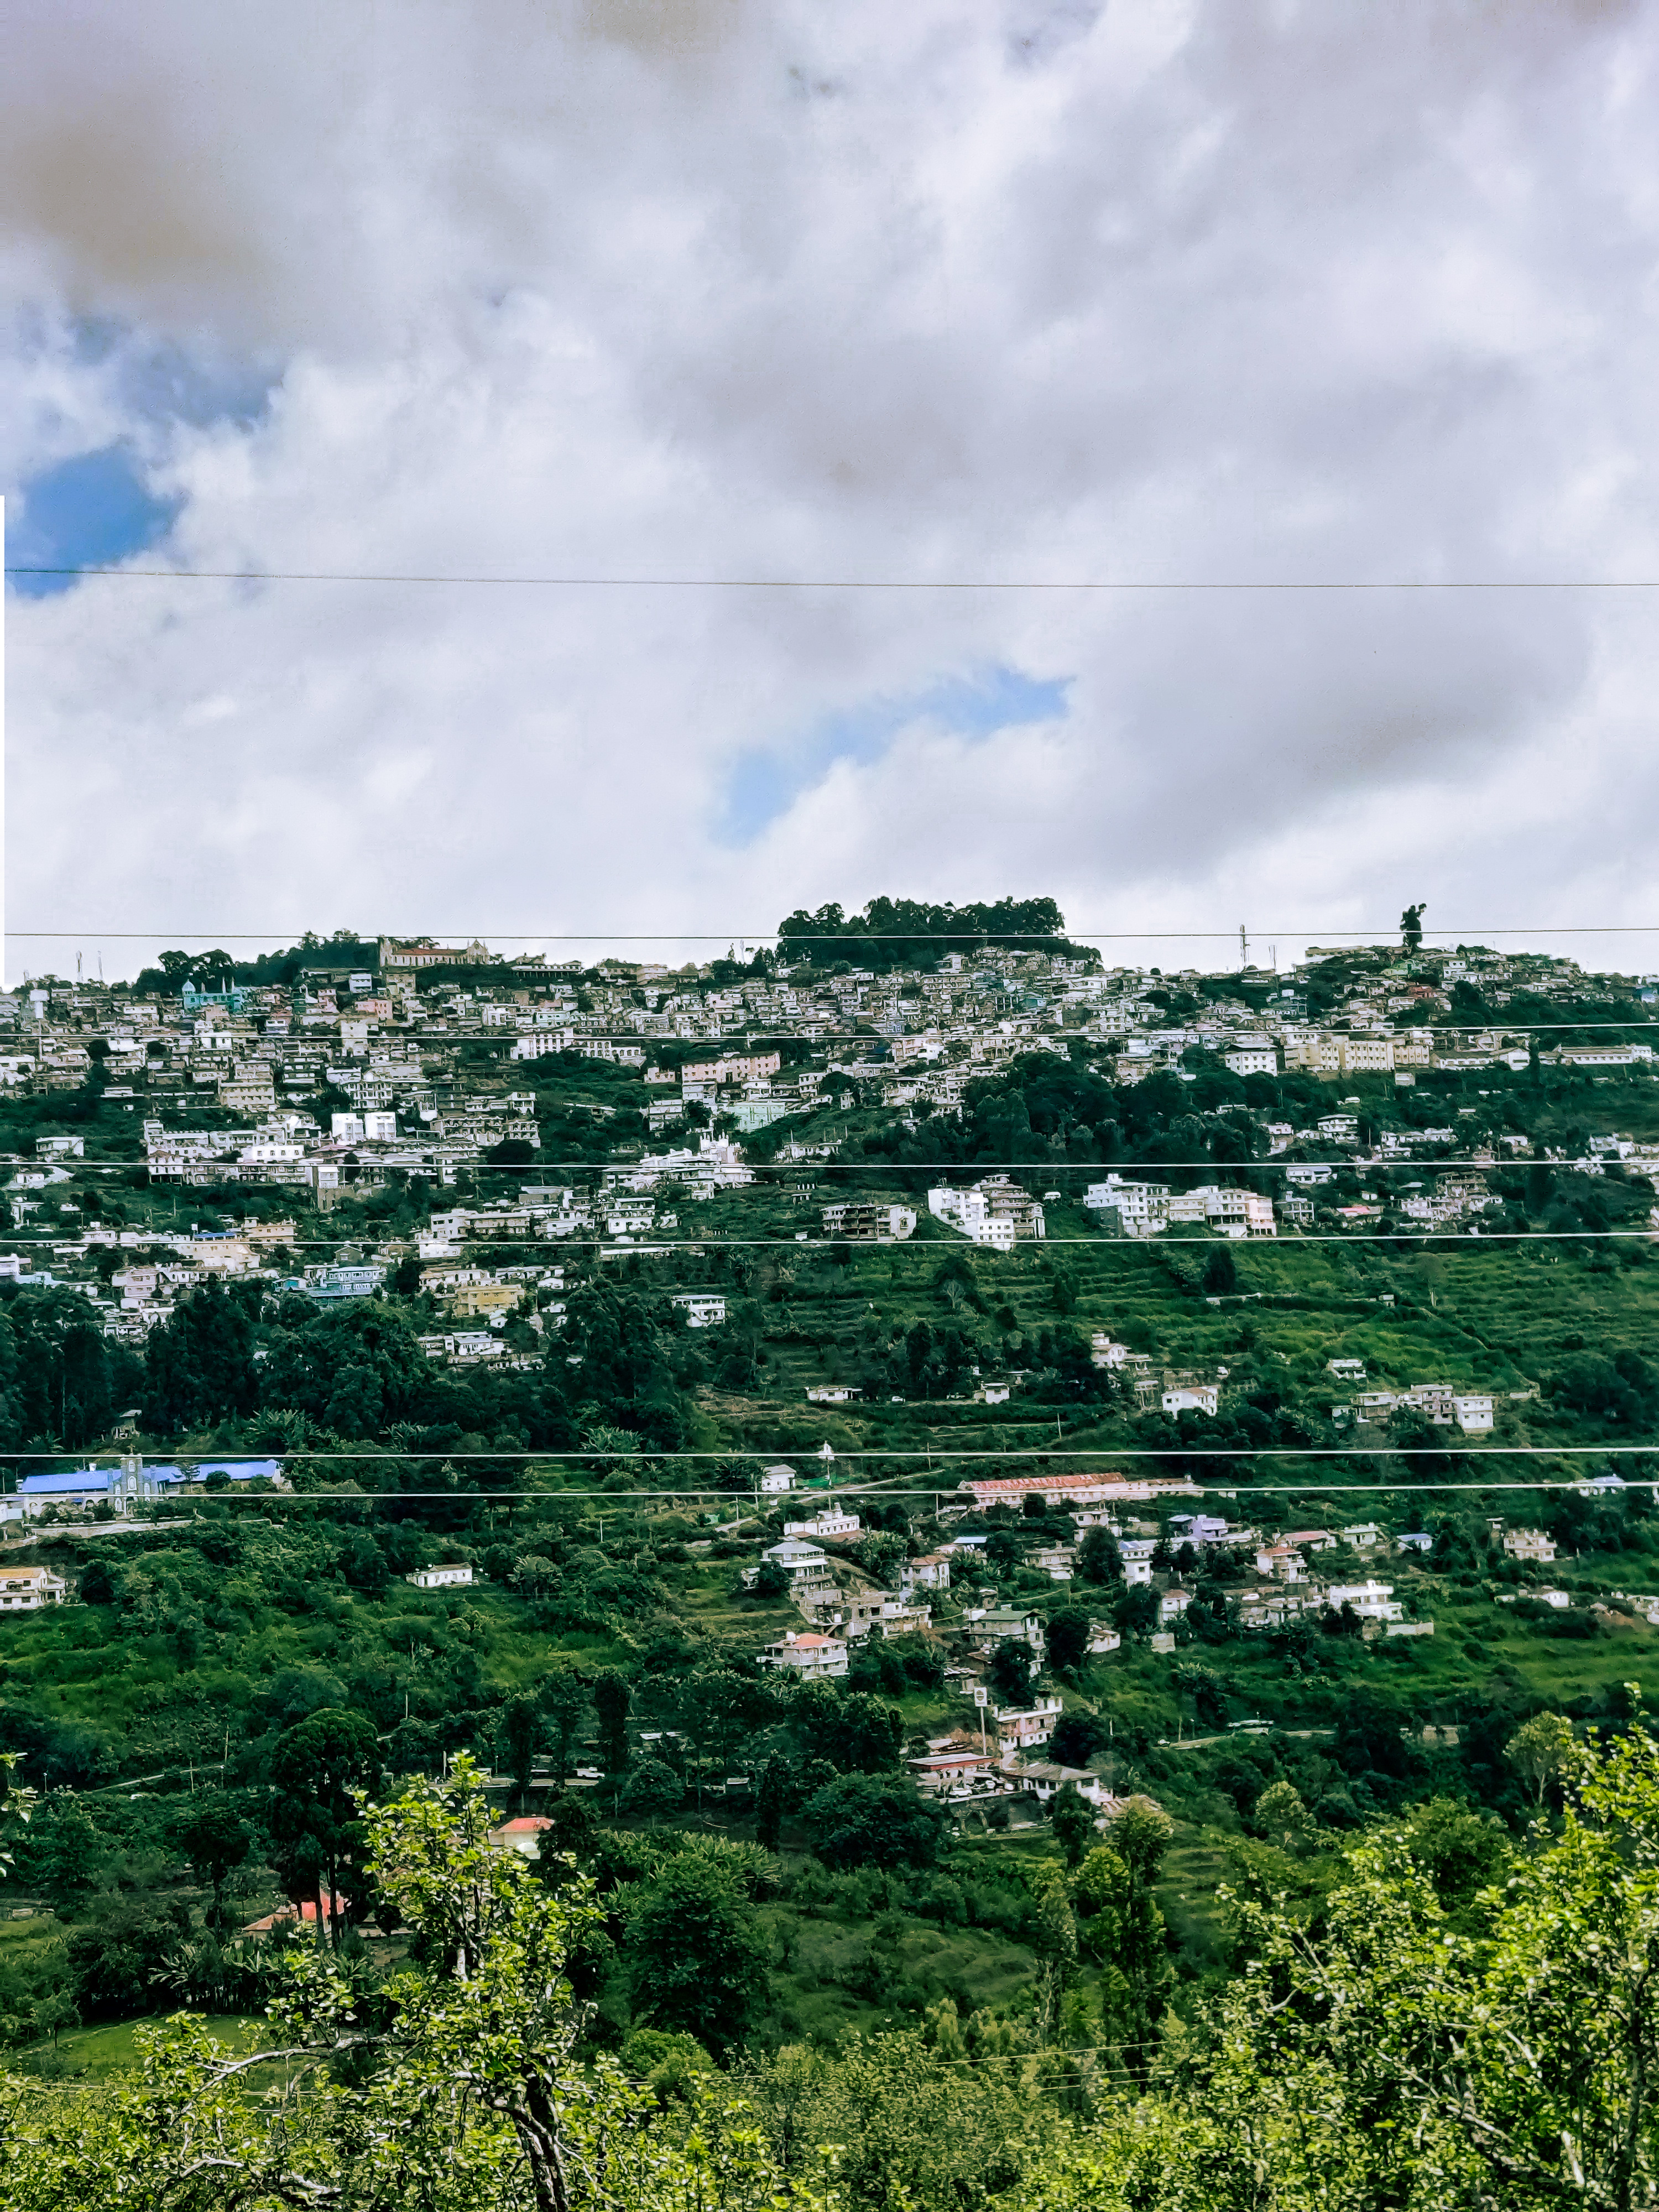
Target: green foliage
x=874 y=1821
x=319 y=1767
x=698 y=1955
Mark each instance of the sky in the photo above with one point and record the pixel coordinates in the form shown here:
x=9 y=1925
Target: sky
x=942 y=310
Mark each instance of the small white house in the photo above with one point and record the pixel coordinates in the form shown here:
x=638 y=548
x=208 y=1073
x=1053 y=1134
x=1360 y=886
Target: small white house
x=774 y=1480
x=701 y=1309
x=829 y=1522
x=1200 y=1398
x=440 y=1578
x=1530 y=1544
x=25 y=1589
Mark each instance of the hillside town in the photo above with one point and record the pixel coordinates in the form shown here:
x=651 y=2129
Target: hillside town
x=420 y=1067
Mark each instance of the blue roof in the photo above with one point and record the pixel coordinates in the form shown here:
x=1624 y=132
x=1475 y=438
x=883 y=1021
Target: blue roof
x=102 y=1478
x=85 y=1478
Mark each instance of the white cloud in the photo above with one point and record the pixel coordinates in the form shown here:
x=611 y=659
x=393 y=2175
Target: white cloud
x=1207 y=292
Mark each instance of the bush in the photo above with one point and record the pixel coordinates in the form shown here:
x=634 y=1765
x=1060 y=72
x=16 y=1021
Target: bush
x=874 y=1821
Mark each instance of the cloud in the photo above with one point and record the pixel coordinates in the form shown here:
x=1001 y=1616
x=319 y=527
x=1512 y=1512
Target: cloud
x=1188 y=292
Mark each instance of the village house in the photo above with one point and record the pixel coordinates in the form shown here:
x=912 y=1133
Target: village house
x=811 y=1657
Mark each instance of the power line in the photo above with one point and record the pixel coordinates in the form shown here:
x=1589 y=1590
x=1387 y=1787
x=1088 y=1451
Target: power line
x=953 y=584
x=655 y=1248
x=555 y=1455
x=1373 y=938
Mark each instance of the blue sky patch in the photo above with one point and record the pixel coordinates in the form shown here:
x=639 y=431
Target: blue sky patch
x=84 y=512
x=765 y=782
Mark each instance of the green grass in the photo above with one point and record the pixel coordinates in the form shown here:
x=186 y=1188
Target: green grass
x=100 y=2054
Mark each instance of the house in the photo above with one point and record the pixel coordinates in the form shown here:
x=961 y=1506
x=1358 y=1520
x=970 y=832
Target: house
x=341 y=1280
x=931 y=1572
x=1472 y=1411
x=1362 y=1536
x=25 y=1589
x=524 y=1835
x=450 y=1577
x=1530 y=1544
x=1017 y=1728
x=1371 y=1601
x=1043 y=1778
x=774 y=1480
x=1346 y=1370
x=1171 y=1604
x=1000 y=1623
x=701 y=1309
x=1202 y=1398
x=950 y=1772
x=994 y=1212
x=807 y=1568
x=1283 y=1562
x=1056 y=1561
x=856 y=1221
x=811 y=1657
x=830 y=1394
x=829 y=1522
x=1418 y=1540
x=1103 y=1637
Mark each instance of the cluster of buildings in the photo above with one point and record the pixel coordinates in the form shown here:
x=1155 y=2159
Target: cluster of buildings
x=365 y=1070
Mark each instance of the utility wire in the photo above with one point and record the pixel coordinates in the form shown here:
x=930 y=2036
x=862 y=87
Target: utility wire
x=1374 y=938
x=1034 y=1455
x=592 y=582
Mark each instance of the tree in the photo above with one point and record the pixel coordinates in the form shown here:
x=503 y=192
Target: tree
x=1283 y=1818
x=462 y=2088
x=611 y=1701
x=1141 y=1835
x=698 y=1954
x=654 y=1788
x=1119 y=1925
x=773 y=1799
x=1099 y=1559
x=1065 y=1633
x=1054 y=1937
x=215 y=1838
x=71 y=1853
x=319 y=1767
x=874 y=1819
x=1009 y=1671
x=564 y=1698
x=1220 y=1272
x=1073 y=1822
x=1541 y=1752
x=522 y=1739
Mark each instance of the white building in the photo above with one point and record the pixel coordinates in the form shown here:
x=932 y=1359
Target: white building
x=440 y=1578
x=812 y=1657
x=857 y=1221
x=774 y=1480
x=829 y=1522
x=1530 y=1544
x=701 y=1309
x=1142 y=1208
x=1371 y=1601
x=932 y=1572
x=995 y=1211
x=1197 y=1398
x=25 y=1589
